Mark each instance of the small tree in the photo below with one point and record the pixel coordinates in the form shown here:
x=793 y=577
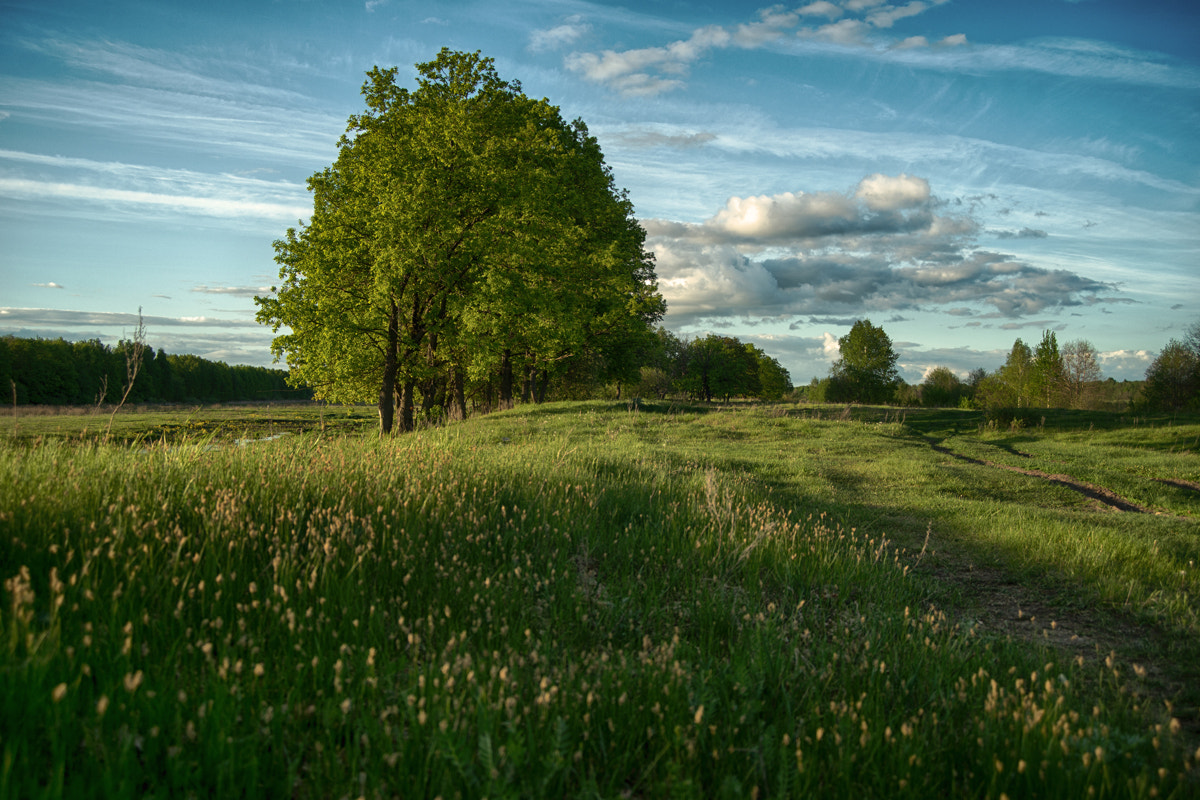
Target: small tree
x=1047 y=375
x=1173 y=379
x=133 y=351
x=1080 y=369
x=866 y=370
x=1016 y=375
x=942 y=389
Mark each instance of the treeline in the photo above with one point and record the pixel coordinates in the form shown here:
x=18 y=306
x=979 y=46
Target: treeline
x=59 y=372
x=1043 y=376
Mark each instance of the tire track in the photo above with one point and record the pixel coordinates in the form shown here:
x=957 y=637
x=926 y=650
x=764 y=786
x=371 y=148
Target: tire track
x=1097 y=493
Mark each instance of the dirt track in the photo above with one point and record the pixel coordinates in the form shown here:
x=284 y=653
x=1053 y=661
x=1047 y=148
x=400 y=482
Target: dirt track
x=1005 y=606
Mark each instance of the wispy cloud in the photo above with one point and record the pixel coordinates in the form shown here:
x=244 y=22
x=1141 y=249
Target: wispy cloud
x=213 y=206
x=559 y=36
x=1024 y=233
x=140 y=187
x=206 y=105
x=655 y=70
x=236 y=341
x=866 y=27
x=235 y=291
x=50 y=285
x=57 y=317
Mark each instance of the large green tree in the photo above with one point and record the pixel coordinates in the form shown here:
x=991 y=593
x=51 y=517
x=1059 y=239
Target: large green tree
x=465 y=231
x=866 y=370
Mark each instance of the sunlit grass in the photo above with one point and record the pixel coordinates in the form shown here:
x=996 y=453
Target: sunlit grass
x=577 y=600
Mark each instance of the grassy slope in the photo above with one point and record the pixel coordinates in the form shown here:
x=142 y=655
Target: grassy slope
x=584 y=599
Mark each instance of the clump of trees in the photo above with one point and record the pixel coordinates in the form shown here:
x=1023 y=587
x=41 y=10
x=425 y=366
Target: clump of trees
x=59 y=372
x=466 y=243
x=711 y=368
x=1043 y=376
x=1173 y=379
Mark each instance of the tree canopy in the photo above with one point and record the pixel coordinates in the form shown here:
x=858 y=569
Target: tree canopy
x=465 y=238
x=1173 y=379
x=866 y=370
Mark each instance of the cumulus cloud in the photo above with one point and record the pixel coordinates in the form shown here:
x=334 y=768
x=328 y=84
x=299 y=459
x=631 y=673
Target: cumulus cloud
x=831 y=346
x=880 y=204
x=884 y=246
x=887 y=193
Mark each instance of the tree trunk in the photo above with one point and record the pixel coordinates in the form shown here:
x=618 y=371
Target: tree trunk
x=458 y=400
x=542 y=386
x=388 y=389
x=430 y=388
x=506 y=381
x=406 y=407
x=527 y=385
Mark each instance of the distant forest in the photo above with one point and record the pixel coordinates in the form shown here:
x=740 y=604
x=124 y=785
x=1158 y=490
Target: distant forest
x=58 y=372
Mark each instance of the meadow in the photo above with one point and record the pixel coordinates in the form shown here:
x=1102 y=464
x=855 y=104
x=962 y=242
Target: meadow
x=600 y=599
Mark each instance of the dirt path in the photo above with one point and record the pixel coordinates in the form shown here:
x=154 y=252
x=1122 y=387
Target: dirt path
x=1002 y=605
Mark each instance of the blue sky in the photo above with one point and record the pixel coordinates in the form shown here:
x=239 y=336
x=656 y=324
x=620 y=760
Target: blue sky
x=962 y=173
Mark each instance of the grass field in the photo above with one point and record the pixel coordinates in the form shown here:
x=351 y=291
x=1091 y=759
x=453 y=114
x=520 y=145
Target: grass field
x=599 y=599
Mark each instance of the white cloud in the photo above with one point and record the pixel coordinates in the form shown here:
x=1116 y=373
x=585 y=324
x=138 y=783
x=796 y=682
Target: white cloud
x=879 y=205
x=61 y=317
x=23 y=189
x=572 y=29
x=886 y=16
x=843 y=32
x=50 y=285
x=774 y=22
x=880 y=247
x=832 y=347
x=116 y=184
x=785 y=216
x=886 y=193
x=821 y=8
x=655 y=70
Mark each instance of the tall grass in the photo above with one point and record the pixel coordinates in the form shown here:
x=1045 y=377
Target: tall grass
x=574 y=602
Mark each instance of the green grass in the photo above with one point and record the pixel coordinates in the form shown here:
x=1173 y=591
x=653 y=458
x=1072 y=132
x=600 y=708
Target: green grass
x=155 y=423
x=579 y=599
